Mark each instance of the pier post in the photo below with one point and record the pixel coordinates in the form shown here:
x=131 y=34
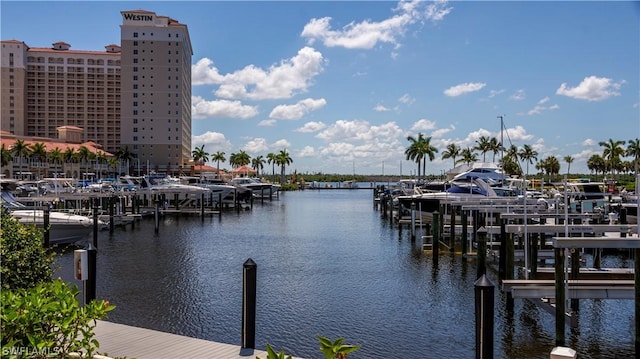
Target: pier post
x=391 y=210
x=435 y=240
x=560 y=297
x=452 y=229
x=464 y=222
x=202 y=205
x=636 y=253
x=502 y=260
x=484 y=301
x=47 y=230
x=413 y=221
x=95 y=221
x=575 y=274
x=90 y=283
x=249 y=286
x=482 y=252
x=156 y=214
x=112 y=200
x=220 y=205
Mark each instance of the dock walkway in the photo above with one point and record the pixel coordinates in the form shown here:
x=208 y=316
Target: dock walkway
x=119 y=340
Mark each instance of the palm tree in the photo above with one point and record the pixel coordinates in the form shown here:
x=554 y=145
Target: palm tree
x=467 y=156
x=528 y=154
x=101 y=157
x=271 y=158
x=20 y=150
x=200 y=156
x=38 y=152
x=239 y=159
x=596 y=163
x=633 y=150
x=257 y=163
x=70 y=156
x=55 y=156
x=452 y=151
x=124 y=155
x=569 y=161
x=283 y=159
x=419 y=150
x=85 y=155
x=494 y=146
x=611 y=153
x=218 y=156
x=484 y=146
x=6 y=156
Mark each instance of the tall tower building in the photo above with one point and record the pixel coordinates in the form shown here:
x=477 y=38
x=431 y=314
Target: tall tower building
x=156 y=90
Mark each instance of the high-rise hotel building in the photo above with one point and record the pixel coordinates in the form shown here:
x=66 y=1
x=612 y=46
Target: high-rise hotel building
x=136 y=94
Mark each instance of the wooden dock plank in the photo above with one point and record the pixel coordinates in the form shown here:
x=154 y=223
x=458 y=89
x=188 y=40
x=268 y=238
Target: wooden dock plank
x=119 y=340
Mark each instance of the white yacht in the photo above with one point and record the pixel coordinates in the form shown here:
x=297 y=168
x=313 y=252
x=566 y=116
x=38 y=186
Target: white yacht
x=258 y=188
x=64 y=227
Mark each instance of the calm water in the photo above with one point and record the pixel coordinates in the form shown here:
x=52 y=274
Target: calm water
x=327 y=265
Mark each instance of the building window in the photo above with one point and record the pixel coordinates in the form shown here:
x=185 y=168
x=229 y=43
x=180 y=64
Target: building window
x=135 y=43
x=135 y=78
x=135 y=95
x=135 y=138
x=135 y=86
x=135 y=113
x=135 y=69
x=135 y=52
x=135 y=60
x=135 y=34
x=135 y=103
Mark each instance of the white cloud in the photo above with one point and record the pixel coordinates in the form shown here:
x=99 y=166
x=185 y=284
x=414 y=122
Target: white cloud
x=589 y=142
x=267 y=123
x=406 y=99
x=360 y=130
x=464 y=88
x=517 y=133
x=297 y=111
x=592 y=88
x=518 y=95
x=307 y=151
x=539 y=108
x=494 y=93
x=367 y=34
x=201 y=108
x=381 y=108
x=256 y=146
x=441 y=132
x=213 y=141
x=423 y=125
x=281 y=144
x=284 y=80
x=311 y=127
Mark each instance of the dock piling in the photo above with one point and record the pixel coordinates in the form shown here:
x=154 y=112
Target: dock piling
x=249 y=286
x=484 y=302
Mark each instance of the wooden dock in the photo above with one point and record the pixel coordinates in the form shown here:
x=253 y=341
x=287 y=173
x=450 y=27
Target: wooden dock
x=119 y=340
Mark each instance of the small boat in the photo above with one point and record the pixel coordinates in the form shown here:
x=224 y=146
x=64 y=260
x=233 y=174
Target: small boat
x=64 y=227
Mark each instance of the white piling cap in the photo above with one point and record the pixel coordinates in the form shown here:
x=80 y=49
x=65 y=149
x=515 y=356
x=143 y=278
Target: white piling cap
x=563 y=353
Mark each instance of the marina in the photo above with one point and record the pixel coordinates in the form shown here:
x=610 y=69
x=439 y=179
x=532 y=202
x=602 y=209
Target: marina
x=329 y=264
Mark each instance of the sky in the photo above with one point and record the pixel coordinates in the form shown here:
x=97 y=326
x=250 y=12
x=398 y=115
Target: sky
x=341 y=84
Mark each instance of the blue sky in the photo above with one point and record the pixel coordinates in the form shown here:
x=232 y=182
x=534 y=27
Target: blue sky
x=341 y=85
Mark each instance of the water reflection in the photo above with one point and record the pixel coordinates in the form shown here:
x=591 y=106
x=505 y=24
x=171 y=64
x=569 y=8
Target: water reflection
x=327 y=265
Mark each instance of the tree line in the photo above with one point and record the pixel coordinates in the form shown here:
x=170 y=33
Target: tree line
x=611 y=161
x=242 y=158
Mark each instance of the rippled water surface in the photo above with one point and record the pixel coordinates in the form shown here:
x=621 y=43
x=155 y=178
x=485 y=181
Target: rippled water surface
x=329 y=265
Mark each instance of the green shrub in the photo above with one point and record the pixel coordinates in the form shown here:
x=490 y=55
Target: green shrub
x=24 y=262
x=47 y=321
